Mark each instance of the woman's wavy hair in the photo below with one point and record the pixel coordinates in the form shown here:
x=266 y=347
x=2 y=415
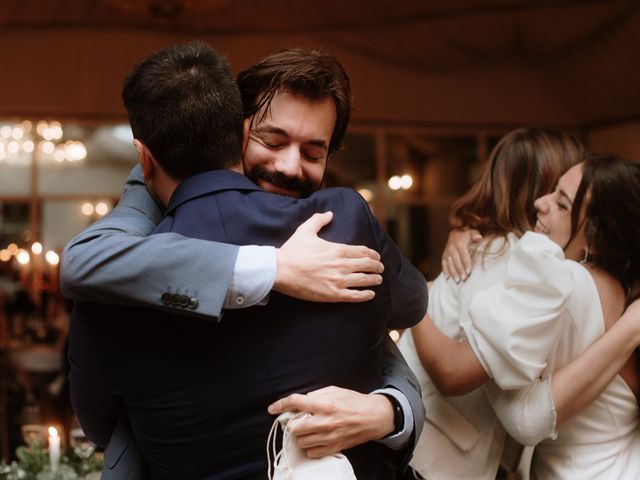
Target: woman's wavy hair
x=610 y=193
x=525 y=164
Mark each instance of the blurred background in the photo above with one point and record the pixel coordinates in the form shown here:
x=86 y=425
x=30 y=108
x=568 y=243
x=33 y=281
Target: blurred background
x=435 y=83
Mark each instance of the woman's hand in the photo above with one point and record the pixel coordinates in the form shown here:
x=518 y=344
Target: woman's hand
x=458 y=253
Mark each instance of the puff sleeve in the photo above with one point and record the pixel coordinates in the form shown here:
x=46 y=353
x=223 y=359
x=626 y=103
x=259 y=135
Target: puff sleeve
x=513 y=327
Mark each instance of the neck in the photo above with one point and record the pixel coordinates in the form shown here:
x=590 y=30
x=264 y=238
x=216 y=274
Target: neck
x=162 y=188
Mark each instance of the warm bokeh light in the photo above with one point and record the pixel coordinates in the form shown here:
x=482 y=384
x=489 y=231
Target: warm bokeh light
x=55 y=130
x=59 y=154
x=13 y=147
x=17 y=132
x=28 y=146
x=366 y=194
x=52 y=257
x=53 y=432
x=36 y=248
x=398 y=182
x=5 y=256
x=406 y=181
x=6 y=131
x=23 y=257
x=102 y=208
x=12 y=248
x=75 y=150
x=87 y=209
x=394 y=183
x=47 y=147
x=41 y=127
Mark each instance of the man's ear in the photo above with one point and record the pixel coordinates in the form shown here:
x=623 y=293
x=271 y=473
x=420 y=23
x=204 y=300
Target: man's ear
x=246 y=128
x=146 y=160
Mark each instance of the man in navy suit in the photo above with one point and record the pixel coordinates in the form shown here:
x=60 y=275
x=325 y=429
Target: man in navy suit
x=249 y=215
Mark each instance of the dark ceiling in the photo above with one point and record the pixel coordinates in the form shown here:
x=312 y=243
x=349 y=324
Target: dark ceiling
x=587 y=49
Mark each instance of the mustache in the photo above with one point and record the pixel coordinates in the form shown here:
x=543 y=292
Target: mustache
x=294 y=184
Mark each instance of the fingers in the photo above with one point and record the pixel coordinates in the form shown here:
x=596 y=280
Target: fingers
x=362 y=280
x=316 y=222
x=360 y=251
x=322 y=451
x=294 y=402
x=363 y=265
x=353 y=296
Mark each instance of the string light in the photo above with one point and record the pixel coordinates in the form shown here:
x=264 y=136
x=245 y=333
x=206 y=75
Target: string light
x=18 y=142
x=23 y=257
x=398 y=182
x=100 y=209
x=366 y=194
x=52 y=257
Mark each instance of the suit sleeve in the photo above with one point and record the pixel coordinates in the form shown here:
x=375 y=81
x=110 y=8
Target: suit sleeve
x=407 y=286
x=115 y=261
x=92 y=398
x=397 y=374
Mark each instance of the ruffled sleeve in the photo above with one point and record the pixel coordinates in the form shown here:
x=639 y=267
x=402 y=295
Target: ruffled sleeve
x=514 y=326
x=527 y=414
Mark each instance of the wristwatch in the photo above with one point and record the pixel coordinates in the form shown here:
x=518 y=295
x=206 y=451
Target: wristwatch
x=398 y=415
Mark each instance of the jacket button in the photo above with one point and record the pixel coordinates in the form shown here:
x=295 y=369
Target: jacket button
x=175 y=299
x=184 y=301
x=166 y=298
x=239 y=300
x=193 y=303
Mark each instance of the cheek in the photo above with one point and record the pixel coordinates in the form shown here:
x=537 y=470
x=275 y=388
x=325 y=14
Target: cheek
x=255 y=155
x=561 y=230
x=314 y=172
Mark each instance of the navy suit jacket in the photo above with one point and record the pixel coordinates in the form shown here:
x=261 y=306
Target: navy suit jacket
x=197 y=397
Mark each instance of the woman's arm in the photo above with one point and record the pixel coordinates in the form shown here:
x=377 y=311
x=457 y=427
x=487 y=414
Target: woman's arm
x=451 y=365
x=582 y=380
x=533 y=413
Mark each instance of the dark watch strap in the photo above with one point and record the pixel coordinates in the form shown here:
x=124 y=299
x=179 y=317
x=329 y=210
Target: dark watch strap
x=398 y=415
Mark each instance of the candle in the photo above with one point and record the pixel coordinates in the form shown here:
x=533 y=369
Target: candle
x=54 y=448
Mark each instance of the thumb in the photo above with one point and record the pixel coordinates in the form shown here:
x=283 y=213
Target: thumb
x=316 y=222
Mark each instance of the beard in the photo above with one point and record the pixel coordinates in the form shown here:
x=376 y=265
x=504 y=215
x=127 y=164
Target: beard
x=300 y=188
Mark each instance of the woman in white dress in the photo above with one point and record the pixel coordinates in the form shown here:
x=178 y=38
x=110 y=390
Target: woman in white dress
x=462 y=438
x=549 y=310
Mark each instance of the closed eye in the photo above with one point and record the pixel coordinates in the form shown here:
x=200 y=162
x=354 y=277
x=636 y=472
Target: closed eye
x=270 y=141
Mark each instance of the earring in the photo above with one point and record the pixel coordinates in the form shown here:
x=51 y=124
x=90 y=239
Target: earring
x=586 y=255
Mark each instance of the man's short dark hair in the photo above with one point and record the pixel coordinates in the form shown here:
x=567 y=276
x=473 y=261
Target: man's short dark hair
x=312 y=74
x=184 y=105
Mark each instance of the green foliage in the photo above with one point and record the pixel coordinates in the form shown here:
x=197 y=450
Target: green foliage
x=33 y=464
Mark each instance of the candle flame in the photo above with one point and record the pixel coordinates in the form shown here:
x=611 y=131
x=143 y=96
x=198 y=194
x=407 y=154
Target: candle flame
x=53 y=432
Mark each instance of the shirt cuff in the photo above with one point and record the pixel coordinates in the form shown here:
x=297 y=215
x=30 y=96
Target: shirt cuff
x=400 y=439
x=253 y=277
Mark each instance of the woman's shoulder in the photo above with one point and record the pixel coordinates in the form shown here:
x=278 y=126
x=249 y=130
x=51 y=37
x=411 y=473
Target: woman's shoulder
x=610 y=293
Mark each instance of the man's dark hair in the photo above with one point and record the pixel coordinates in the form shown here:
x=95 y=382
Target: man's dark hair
x=184 y=105
x=312 y=74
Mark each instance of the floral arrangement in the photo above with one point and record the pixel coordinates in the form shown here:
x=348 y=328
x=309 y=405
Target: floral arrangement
x=33 y=463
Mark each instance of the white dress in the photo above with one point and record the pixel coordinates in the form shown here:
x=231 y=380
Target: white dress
x=462 y=438
x=547 y=312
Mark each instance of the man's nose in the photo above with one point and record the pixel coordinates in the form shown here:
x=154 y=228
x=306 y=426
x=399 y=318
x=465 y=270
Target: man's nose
x=289 y=162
